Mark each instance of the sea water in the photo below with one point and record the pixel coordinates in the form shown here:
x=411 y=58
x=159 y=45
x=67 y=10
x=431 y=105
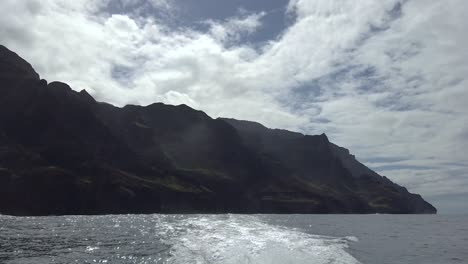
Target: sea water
x=344 y=239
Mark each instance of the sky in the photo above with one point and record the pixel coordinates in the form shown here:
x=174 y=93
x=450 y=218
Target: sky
x=386 y=79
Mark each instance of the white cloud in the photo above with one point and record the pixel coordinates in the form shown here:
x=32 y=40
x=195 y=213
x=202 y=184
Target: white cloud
x=233 y=29
x=389 y=76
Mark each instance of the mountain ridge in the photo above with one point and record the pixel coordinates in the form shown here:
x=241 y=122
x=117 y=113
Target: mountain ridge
x=62 y=152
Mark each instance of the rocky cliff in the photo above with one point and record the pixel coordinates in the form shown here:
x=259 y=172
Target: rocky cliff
x=62 y=152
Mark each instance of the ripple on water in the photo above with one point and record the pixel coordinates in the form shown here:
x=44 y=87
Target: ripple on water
x=171 y=239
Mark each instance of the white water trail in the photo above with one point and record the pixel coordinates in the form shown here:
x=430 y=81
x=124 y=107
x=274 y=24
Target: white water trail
x=245 y=239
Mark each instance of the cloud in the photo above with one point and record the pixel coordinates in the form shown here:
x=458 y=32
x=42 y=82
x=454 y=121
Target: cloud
x=386 y=79
x=233 y=29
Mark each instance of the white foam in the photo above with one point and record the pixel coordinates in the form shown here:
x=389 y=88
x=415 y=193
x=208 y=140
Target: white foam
x=352 y=238
x=90 y=249
x=245 y=239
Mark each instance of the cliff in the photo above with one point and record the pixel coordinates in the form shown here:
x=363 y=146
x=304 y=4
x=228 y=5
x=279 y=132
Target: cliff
x=62 y=152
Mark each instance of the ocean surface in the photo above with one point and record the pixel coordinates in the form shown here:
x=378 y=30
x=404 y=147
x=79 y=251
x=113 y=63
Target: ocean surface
x=372 y=239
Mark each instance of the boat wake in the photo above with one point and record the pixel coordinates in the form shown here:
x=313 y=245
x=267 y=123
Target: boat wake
x=246 y=239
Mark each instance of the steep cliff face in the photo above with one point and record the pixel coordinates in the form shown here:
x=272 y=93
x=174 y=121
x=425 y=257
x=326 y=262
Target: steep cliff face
x=371 y=185
x=61 y=152
x=322 y=163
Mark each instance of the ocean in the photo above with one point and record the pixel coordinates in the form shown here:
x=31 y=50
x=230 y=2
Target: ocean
x=282 y=239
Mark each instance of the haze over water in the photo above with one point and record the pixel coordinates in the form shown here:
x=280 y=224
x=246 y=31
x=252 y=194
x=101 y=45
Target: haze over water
x=235 y=239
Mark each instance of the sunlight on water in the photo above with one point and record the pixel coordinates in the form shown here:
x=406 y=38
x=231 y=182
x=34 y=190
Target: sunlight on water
x=171 y=239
